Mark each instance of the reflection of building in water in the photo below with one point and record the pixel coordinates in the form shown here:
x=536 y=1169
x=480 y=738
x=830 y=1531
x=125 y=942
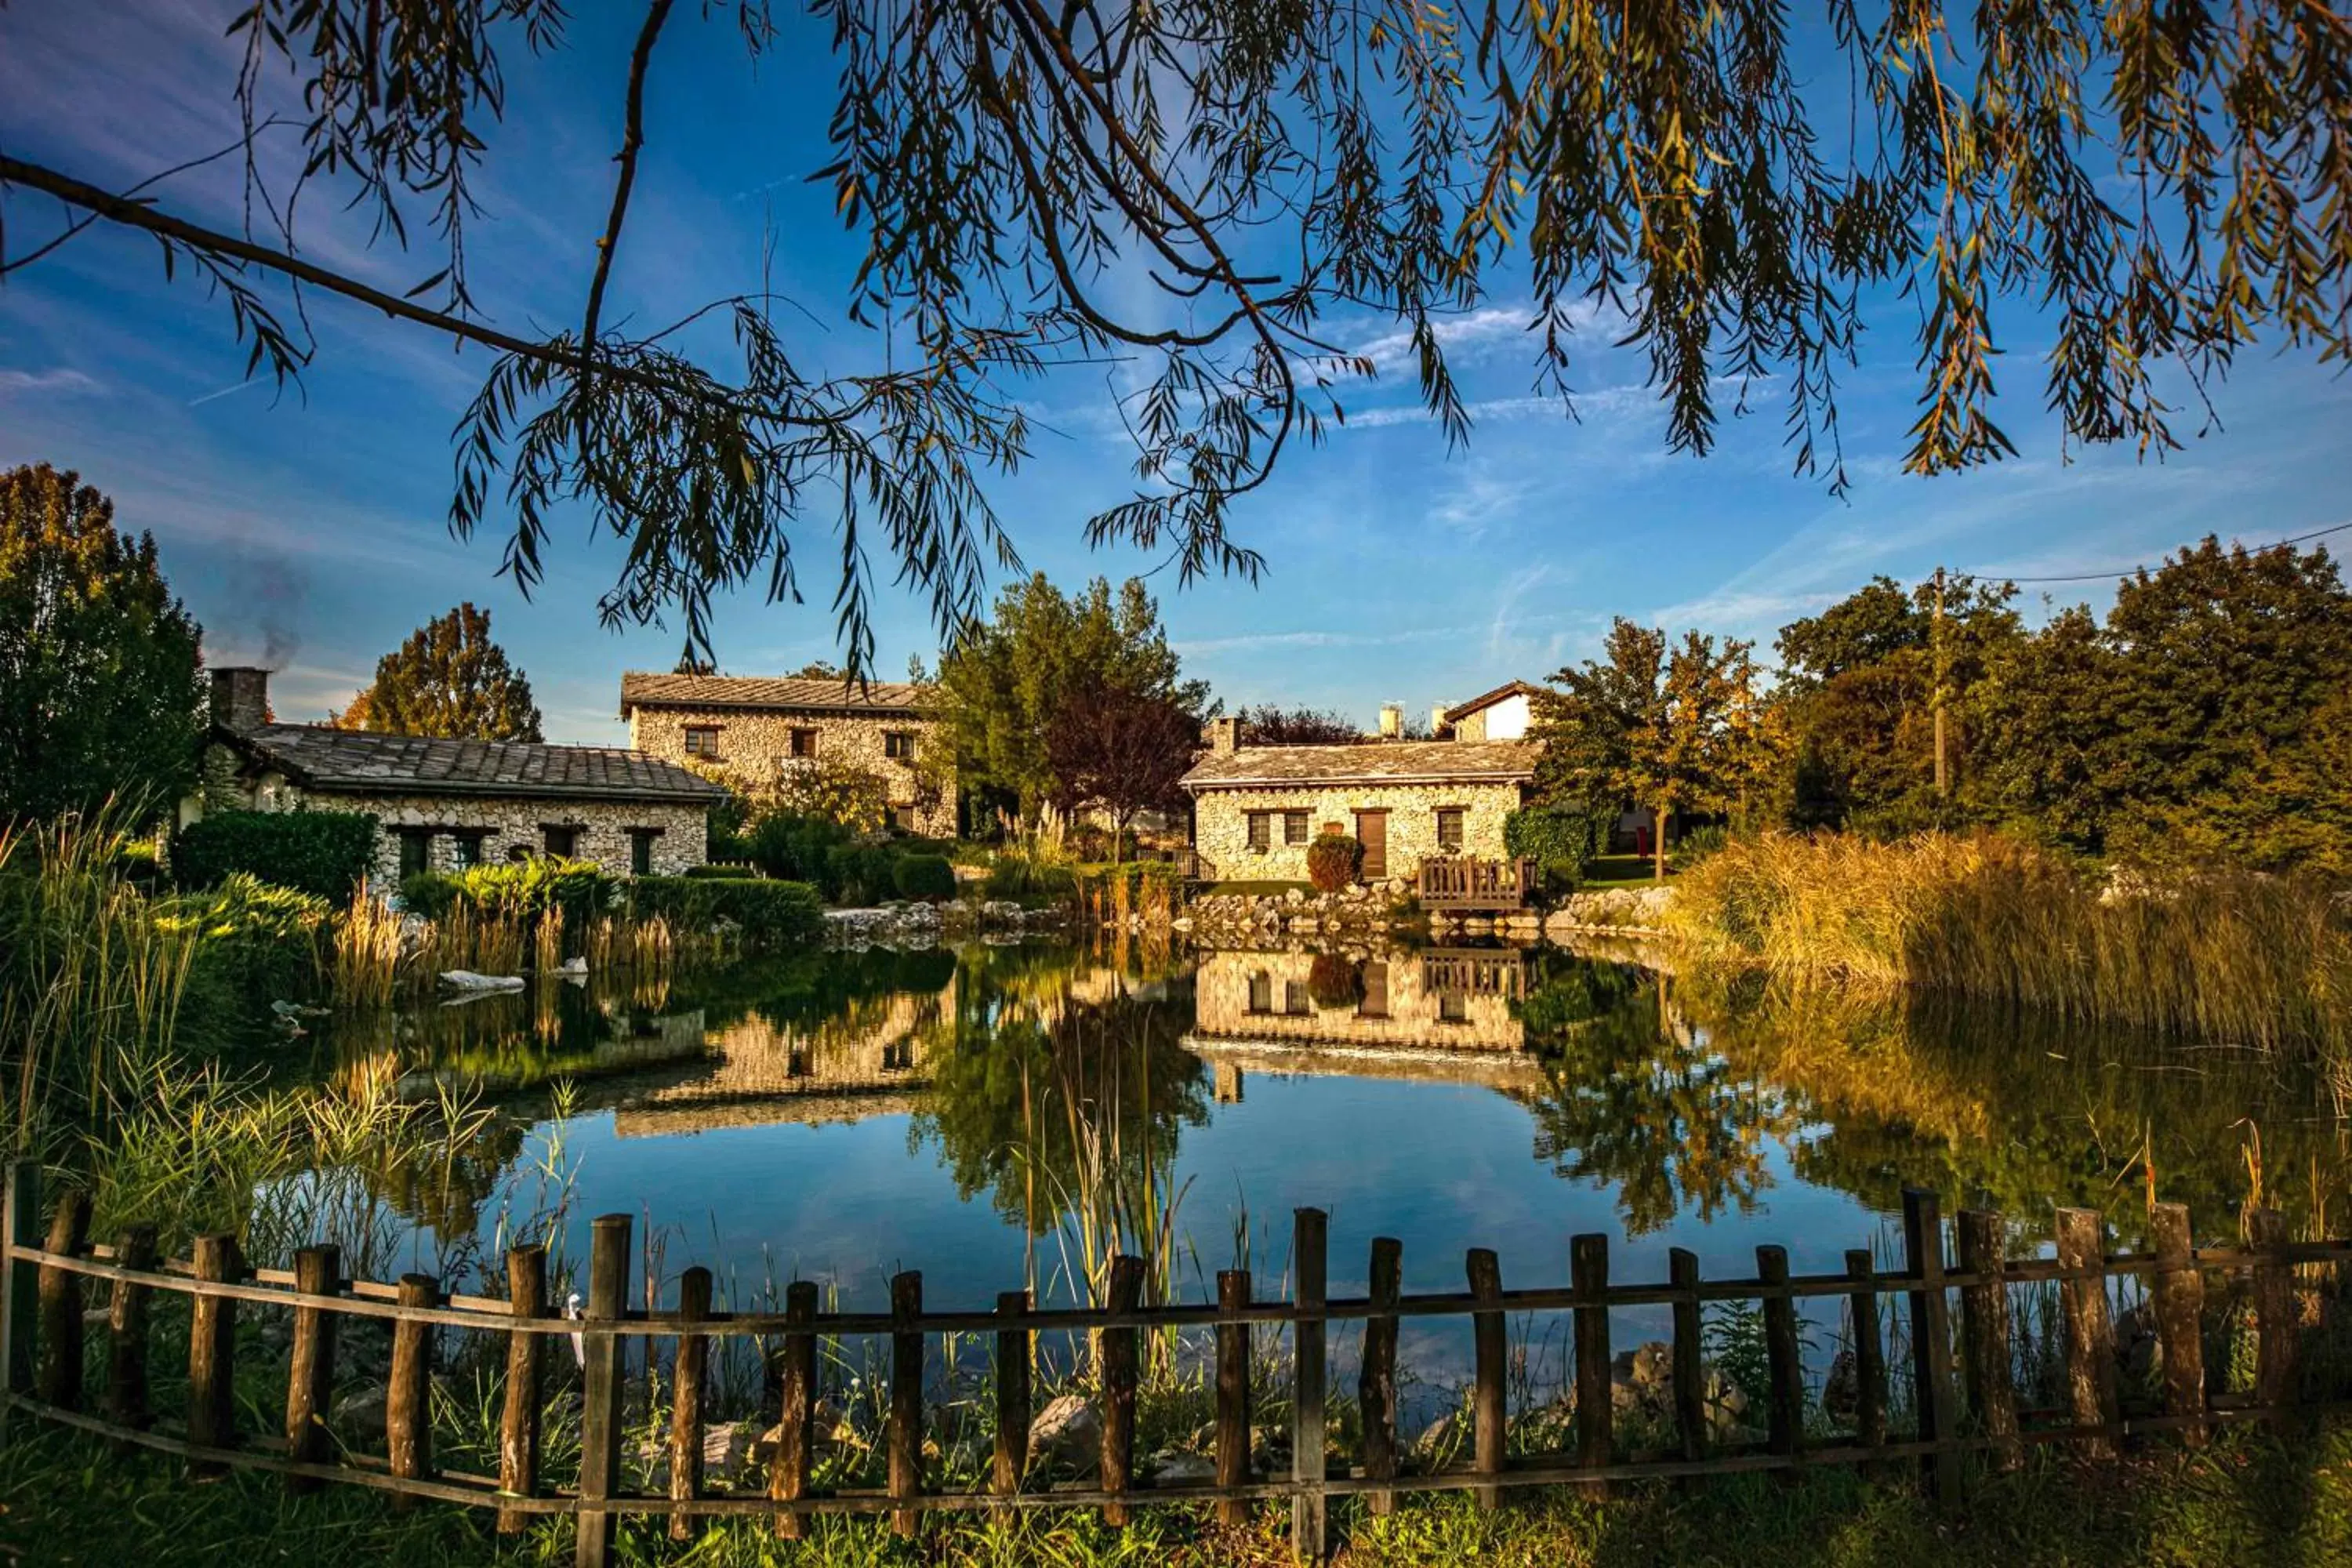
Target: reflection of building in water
x=865 y=1061
x=1444 y=999
x=1443 y=1014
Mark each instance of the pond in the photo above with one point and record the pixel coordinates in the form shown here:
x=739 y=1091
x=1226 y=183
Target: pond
x=993 y=1116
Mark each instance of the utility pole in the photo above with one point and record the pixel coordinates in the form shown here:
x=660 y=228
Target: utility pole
x=1943 y=775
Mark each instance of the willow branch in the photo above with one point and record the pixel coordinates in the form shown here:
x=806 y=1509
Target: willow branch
x=633 y=136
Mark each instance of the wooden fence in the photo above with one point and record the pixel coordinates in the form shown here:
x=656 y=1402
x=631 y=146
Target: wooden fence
x=1964 y=1399
x=1465 y=884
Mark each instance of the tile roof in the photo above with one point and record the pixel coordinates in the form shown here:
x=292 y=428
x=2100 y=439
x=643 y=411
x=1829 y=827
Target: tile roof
x=1460 y=711
x=788 y=692
x=362 y=761
x=1372 y=763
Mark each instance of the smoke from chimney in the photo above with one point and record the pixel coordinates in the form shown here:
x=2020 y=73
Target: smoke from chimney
x=269 y=589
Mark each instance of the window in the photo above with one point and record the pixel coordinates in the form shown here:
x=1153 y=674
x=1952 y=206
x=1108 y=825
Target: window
x=468 y=849
x=559 y=840
x=641 y=851
x=803 y=743
x=1449 y=829
x=702 y=741
x=415 y=852
x=1453 y=1008
x=1294 y=828
x=902 y=817
x=1261 y=831
x=1294 y=1000
x=899 y=745
x=1375 y=1004
x=1261 y=993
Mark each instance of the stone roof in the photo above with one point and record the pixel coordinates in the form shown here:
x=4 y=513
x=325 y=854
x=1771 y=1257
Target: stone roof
x=795 y=693
x=360 y=762
x=1372 y=763
x=1455 y=714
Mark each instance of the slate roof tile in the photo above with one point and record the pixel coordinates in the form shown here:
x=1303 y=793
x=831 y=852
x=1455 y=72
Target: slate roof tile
x=1373 y=763
x=360 y=760
x=790 y=693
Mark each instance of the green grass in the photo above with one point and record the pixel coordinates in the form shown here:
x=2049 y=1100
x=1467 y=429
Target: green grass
x=1619 y=872
x=2250 y=1499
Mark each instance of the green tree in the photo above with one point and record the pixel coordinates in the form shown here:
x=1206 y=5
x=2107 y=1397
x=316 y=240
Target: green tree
x=449 y=679
x=1005 y=680
x=2165 y=187
x=100 y=692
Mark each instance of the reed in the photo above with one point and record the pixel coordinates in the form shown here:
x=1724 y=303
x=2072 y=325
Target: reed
x=2257 y=961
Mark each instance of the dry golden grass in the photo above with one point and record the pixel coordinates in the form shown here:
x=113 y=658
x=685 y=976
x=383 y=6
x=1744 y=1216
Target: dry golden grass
x=2250 y=960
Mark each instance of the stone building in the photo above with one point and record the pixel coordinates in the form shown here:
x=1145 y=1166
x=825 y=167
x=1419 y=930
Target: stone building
x=443 y=804
x=1506 y=713
x=1256 y=808
x=760 y=727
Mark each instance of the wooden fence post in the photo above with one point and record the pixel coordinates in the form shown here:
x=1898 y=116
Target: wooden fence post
x=311 y=1369
x=526 y=1360
x=905 y=1432
x=600 y=1388
x=1784 y=1362
x=2276 y=1318
x=1308 y=1233
x=1689 y=1353
x=1376 y=1385
x=2090 y=1333
x=686 y=1405
x=212 y=1350
x=59 y=1378
x=2179 y=1291
x=1119 y=1357
x=1489 y=1348
x=1931 y=1340
x=126 y=1332
x=1232 y=1441
x=408 y=1397
x=1588 y=1275
x=796 y=1423
x=1011 y=1394
x=1984 y=1334
x=19 y=1227
x=1869 y=1351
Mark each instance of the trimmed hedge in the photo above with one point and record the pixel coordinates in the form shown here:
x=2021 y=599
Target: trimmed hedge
x=770 y=913
x=924 y=876
x=716 y=871
x=1333 y=859
x=322 y=853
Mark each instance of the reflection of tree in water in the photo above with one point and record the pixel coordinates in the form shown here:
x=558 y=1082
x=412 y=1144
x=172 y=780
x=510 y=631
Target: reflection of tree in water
x=2020 y=1112
x=1060 y=1091
x=1634 y=1100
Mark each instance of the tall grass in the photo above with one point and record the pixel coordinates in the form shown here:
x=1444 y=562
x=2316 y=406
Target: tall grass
x=90 y=979
x=2256 y=961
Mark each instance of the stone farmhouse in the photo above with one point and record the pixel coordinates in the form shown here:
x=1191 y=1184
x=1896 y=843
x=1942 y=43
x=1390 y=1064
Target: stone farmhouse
x=444 y=805
x=1256 y=808
x=1504 y=713
x=759 y=728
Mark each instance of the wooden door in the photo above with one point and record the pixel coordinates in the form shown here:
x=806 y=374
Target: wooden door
x=1372 y=832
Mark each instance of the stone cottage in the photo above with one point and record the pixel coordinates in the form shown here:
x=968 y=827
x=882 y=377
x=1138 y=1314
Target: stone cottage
x=1256 y=808
x=759 y=728
x=1506 y=713
x=444 y=805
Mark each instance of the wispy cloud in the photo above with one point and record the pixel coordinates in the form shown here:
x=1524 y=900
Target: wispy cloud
x=1253 y=641
x=59 y=382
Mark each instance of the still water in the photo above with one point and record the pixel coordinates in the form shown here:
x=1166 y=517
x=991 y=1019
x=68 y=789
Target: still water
x=992 y=1116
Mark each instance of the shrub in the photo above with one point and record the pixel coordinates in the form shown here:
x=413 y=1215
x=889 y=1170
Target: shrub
x=860 y=873
x=1334 y=980
x=924 y=876
x=1332 y=861
x=770 y=913
x=792 y=849
x=1696 y=845
x=429 y=894
x=254 y=941
x=323 y=853
x=582 y=890
x=1556 y=838
x=725 y=872
x=1034 y=881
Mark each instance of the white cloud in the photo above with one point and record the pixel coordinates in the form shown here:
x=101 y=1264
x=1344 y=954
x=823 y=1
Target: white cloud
x=59 y=380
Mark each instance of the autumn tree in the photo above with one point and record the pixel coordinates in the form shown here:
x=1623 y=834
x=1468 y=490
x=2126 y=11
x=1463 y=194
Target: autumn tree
x=1121 y=751
x=449 y=679
x=1269 y=724
x=100 y=693
x=1217 y=193
x=1004 y=680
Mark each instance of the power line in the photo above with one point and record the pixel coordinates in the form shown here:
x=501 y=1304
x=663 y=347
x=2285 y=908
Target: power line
x=2142 y=566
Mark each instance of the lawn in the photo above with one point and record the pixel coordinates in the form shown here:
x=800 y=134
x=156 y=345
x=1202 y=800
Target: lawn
x=2250 y=1499
x=1621 y=871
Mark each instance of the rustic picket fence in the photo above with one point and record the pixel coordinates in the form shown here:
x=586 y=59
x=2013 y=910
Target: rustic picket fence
x=1964 y=1400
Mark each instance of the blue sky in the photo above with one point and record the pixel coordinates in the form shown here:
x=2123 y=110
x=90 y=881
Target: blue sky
x=310 y=525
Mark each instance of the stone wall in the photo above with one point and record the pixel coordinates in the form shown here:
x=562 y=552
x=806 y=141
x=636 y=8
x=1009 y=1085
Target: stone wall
x=756 y=744
x=507 y=822
x=1221 y=824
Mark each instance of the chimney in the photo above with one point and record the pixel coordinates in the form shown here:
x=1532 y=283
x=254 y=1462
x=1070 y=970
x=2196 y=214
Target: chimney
x=1225 y=737
x=240 y=696
x=1437 y=727
x=1392 y=720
